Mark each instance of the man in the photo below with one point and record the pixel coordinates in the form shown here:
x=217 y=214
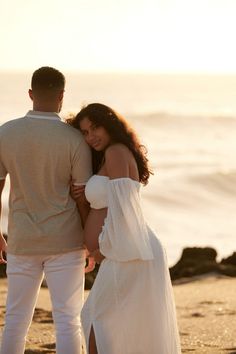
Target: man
x=42 y=156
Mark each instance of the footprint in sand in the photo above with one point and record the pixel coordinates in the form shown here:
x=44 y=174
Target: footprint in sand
x=197 y=314
x=49 y=346
x=42 y=316
x=211 y=302
x=225 y=312
x=37 y=351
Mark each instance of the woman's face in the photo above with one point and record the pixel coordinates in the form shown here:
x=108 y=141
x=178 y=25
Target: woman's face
x=95 y=136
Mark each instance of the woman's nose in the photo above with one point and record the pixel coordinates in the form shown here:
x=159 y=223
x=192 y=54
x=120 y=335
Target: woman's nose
x=90 y=136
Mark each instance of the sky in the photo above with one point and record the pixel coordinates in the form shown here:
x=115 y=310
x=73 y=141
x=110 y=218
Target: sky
x=162 y=36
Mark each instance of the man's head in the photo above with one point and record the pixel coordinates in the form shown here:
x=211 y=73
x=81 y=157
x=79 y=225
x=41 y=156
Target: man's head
x=47 y=89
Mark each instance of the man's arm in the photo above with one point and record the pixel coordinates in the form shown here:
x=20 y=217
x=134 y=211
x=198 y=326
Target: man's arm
x=3 y=243
x=81 y=172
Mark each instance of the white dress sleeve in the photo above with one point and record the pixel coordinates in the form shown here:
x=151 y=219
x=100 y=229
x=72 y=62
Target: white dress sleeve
x=125 y=236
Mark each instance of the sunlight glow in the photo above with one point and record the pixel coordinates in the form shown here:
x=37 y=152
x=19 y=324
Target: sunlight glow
x=129 y=35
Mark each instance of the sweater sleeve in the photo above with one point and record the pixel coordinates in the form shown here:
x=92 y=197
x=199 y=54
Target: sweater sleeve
x=125 y=236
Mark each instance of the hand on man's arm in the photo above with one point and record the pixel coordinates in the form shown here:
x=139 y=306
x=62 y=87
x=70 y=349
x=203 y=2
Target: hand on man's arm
x=83 y=209
x=97 y=256
x=77 y=193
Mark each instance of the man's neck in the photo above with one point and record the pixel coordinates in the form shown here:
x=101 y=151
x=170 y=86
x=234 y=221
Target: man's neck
x=46 y=108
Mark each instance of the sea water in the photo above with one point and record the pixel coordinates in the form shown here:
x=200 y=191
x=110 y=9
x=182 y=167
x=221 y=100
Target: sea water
x=188 y=124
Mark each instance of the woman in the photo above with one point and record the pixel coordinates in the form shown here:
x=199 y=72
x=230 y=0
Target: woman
x=130 y=309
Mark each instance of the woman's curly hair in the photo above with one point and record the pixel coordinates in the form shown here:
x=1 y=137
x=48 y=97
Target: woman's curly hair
x=119 y=131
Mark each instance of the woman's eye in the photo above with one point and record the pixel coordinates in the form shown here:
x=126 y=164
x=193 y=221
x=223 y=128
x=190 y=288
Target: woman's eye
x=93 y=127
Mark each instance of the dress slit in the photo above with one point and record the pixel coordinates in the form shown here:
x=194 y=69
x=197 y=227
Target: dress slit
x=92 y=333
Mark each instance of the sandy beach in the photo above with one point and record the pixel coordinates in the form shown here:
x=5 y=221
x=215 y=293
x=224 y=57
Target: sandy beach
x=206 y=310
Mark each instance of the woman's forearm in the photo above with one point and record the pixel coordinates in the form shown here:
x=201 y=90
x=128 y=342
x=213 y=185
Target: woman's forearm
x=84 y=209
x=93 y=228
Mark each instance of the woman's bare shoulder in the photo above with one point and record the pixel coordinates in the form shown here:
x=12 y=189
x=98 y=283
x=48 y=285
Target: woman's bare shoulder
x=117 y=160
x=117 y=150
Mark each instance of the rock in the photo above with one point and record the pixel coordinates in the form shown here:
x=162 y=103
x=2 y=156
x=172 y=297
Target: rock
x=90 y=277
x=195 y=261
x=227 y=269
x=194 y=254
x=230 y=259
x=3 y=271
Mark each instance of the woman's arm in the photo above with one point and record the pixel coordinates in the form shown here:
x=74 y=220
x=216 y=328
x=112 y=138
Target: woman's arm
x=77 y=193
x=93 y=219
x=84 y=209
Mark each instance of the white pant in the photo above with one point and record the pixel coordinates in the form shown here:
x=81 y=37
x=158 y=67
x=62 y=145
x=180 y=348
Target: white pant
x=65 y=279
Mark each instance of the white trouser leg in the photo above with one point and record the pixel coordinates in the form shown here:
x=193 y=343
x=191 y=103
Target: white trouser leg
x=65 y=279
x=25 y=275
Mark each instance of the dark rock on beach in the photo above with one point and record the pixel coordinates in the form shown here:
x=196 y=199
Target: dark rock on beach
x=196 y=261
x=90 y=278
x=3 y=271
x=230 y=260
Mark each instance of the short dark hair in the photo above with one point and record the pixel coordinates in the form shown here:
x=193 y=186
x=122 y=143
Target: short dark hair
x=47 y=78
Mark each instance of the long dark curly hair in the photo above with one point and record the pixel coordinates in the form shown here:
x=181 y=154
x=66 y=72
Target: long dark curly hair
x=119 y=131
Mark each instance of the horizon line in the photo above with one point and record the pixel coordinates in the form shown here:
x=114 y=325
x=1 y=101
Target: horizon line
x=126 y=72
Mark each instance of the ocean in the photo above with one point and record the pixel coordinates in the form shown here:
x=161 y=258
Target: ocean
x=188 y=124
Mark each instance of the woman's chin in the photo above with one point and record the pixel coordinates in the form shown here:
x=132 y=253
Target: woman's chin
x=98 y=148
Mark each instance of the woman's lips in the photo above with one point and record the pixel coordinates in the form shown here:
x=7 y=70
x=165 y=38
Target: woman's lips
x=95 y=144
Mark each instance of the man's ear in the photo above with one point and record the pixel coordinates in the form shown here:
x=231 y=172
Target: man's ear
x=61 y=95
x=30 y=92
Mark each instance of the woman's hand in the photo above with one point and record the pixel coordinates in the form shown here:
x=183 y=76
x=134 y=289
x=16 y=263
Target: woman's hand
x=90 y=266
x=77 y=193
x=97 y=255
x=90 y=263
x=3 y=248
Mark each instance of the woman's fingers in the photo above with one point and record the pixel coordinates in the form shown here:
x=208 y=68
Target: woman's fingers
x=98 y=256
x=2 y=260
x=77 y=191
x=78 y=188
x=91 y=265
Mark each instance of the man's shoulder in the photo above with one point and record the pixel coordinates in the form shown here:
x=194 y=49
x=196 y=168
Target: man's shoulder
x=71 y=131
x=11 y=123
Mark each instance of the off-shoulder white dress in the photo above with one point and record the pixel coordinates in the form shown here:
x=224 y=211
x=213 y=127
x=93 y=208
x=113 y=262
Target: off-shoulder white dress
x=131 y=306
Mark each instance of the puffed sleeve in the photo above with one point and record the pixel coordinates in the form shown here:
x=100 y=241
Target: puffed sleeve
x=125 y=236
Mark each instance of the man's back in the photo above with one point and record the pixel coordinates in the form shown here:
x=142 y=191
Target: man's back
x=42 y=156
